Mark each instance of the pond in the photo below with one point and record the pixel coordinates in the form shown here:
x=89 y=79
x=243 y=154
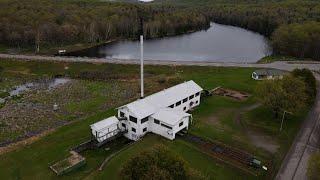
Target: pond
x=46 y=84
x=219 y=43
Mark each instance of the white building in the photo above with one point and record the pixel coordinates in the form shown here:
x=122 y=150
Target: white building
x=267 y=74
x=105 y=129
x=162 y=113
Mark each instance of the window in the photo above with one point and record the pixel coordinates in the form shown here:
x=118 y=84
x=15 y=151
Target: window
x=191 y=97
x=124 y=125
x=166 y=126
x=191 y=104
x=133 y=129
x=156 y=121
x=172 y=106
x=180 y=124
x=198 y=93
x=133 y=119
x=144 y=129
x=185 y=108
x=144 y=120
x=197 y=102
x=122 y=114
x=185 y=100
x=178 y=103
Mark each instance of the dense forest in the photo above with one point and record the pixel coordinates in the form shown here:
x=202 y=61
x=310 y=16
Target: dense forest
x=35 y=22
x=56 y=23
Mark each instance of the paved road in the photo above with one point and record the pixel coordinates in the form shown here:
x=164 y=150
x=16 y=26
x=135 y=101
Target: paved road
x=277 y=65
x=306 y=142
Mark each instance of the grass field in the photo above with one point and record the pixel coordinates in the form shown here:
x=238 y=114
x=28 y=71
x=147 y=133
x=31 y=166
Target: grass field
x=215 y=119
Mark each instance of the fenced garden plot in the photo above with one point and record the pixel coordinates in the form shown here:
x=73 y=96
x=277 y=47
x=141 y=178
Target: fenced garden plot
x=237 y=95
x=69 y=164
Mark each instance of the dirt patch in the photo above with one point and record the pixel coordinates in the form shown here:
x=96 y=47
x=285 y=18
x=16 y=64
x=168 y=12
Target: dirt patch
x=263 y=141
x=258 y=139
x=213 y=120
x=239 y=114
x=237 y=95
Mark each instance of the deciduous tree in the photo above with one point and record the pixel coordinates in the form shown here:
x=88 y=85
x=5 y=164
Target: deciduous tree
x=287 y=94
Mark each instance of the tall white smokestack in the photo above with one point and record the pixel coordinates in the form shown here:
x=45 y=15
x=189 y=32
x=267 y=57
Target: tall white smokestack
x=141 y=65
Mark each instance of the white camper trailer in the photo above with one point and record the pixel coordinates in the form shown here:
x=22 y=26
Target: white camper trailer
x=105 y=129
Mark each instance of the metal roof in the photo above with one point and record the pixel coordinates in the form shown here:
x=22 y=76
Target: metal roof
x=104 y=123
x=170 y=116
x=145 y=107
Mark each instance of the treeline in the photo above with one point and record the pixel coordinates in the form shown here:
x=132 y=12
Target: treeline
x=266 y=17
x=291 y=25
x=56 y=23
x=298 y=40
x=46 y=22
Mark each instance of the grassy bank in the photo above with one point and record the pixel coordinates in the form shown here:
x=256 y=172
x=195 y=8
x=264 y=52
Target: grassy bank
x=215 y=118
x=274 y=58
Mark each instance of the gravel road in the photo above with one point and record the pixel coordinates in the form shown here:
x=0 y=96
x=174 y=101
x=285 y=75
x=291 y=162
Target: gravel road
x=283 y=65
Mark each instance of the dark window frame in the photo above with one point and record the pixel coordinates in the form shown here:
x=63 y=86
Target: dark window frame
x=191 y=97
x=133 y=130
x=122 y=114
x=198 y=93
x=124 y=125
x=166 y=126
x=144 y=129
x=171 y=106
x=156 y=121
x=178 y=103
x=144 y=120
x=133 y=119
x=181 y=124
x=185 y=100
x=185 y=108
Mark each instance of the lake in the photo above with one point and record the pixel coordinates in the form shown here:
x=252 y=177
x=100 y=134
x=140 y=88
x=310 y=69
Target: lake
x=219 y=43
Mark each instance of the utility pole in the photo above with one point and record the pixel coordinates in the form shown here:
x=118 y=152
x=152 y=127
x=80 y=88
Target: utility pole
x=284 y=113
x=141 y=55
x=141 y=66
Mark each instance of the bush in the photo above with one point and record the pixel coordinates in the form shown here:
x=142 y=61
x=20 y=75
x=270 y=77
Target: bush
x=161 y=79
x=157 y=163
x=310 y=81
x=314 y=167
x=1 y=70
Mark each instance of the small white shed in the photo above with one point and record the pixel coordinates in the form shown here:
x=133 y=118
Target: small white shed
x=105 y=129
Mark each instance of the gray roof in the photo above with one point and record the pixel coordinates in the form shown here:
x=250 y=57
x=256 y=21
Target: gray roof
x=269 y=72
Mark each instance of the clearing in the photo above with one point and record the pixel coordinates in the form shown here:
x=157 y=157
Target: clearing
x=96 y=89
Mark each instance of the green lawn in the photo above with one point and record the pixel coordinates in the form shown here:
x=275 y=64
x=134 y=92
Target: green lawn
x=213 y=119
